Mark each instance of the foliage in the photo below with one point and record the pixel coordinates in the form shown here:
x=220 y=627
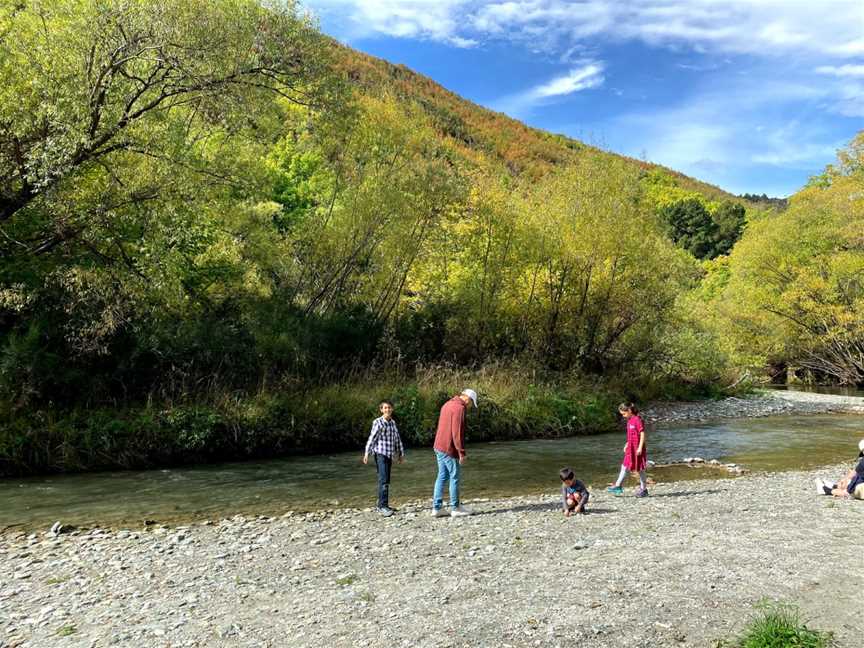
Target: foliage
x=701 y=233
x=212 y=216
x=691 y=226
x=778 y=625
x=795 y=292
x=517 y=404
x=730 y=217
x=704 y=225
x=763 y=199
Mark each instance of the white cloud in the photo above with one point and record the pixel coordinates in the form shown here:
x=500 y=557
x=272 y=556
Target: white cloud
x=588 y=75
x=830 y=28
x=752 y=152
x=436 y=20
x=850 y=100
x=842 y=70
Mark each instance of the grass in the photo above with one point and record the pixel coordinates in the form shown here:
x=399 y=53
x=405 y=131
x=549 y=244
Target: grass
x=779 y=625
x=299 y=418
x=347 y=580
x=66 y=630
x=296 y=419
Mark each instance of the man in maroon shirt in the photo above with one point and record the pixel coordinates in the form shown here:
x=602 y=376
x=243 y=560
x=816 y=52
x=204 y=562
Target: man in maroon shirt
x=450 y=452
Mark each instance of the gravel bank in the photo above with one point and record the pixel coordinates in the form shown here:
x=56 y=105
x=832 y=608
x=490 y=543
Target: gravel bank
x=681 y=568
x=762 y=403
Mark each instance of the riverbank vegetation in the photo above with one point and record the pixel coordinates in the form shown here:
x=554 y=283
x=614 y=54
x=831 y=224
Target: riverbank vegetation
x=779 y=625
x=224 y=235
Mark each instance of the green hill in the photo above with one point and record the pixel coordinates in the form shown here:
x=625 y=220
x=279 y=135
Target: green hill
x=482 y=134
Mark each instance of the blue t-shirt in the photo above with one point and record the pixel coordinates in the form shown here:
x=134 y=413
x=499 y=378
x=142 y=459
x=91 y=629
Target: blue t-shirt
x=577 y=487
x=857 y=479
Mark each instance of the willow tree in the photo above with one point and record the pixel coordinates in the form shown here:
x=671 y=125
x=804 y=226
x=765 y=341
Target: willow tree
x=601 y=278
x=796 y=287
x=132 y=140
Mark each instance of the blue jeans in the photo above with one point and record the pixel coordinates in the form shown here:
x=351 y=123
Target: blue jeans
x=447 y=467
x=383 y=463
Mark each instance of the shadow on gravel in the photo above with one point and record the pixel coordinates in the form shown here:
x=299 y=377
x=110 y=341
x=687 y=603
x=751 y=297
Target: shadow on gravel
x=544 y=508
x=687 y=493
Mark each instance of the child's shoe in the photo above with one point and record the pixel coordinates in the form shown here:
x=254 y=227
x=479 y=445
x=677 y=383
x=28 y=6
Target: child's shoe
x=642 y=492
x=386 y=511
x=439 y=512
x=823 y=487
x=461 y=511
x=615 y=489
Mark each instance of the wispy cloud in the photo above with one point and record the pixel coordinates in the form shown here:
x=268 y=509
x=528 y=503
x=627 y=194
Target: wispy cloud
x=436 y=20
x=752 y=152
x=763 y=27
x=841 y=70
x=588 y=75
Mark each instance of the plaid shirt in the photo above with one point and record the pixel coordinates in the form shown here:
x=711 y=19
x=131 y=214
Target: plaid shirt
x=384 y=438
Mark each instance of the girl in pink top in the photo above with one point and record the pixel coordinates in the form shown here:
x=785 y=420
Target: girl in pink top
x=635 y=451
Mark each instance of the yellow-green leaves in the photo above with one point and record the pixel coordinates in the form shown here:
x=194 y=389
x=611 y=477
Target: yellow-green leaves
x=796 y=288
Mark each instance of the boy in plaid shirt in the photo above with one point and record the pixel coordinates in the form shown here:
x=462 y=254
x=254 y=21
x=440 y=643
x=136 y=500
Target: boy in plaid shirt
x=385 y=443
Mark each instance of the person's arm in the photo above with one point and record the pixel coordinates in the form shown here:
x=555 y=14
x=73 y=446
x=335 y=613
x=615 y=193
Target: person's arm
x=401 y=447
x=457 y=430
x=373 y=435
x=641 y=446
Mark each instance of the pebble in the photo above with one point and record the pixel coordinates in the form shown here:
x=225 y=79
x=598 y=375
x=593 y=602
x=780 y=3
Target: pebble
x=627 y=573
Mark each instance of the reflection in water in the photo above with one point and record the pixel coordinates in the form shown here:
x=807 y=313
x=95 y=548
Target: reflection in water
x=492 y=469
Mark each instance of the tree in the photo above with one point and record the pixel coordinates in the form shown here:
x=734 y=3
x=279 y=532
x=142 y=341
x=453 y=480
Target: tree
x=796 y=288
x=84 y=83
x=691 y=227
x=730 y=218
x=134 y=201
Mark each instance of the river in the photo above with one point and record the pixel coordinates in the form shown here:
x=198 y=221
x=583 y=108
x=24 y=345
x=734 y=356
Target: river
x=493 y=469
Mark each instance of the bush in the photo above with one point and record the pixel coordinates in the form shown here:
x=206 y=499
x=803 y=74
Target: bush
x=301 y=418
x=778 y=625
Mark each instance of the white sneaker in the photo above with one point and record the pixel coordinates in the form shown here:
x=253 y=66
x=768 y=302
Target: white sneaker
x=461 y=511
x=819 y=485
x=439 y=513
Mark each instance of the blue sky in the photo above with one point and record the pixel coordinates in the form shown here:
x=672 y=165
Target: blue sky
x=751 y=95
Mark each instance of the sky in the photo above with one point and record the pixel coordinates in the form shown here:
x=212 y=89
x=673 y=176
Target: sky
x=754 y=96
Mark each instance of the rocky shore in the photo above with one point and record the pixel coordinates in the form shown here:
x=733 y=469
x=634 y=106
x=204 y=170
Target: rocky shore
x=761 y=403
x=684 y=567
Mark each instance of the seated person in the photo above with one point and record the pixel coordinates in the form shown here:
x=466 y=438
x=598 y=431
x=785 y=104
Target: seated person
x=850 y=485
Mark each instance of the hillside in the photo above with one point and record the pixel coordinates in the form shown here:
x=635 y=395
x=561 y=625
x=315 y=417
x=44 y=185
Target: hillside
x=482 y=133
x=213 y=251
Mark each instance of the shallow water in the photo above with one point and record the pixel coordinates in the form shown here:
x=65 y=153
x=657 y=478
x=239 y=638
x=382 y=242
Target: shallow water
x=493 y=469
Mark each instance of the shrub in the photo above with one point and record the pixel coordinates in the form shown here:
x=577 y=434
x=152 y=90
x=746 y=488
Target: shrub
x=778 y=625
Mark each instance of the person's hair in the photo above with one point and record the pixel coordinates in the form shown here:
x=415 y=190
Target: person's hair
x=386 y=402
x=628 y=407
x=566 y=473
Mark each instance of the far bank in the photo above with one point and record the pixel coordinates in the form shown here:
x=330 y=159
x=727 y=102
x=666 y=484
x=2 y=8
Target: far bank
x=302 y=421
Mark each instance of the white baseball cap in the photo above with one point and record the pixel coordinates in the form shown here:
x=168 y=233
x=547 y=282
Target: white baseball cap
x=470 y=393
